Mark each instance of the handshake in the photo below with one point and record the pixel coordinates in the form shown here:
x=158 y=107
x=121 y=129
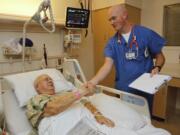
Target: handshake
x=88 y=89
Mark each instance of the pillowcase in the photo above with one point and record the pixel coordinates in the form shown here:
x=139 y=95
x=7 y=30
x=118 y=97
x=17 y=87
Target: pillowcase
x=23 y=83
x=13 y=114
x=120 y=113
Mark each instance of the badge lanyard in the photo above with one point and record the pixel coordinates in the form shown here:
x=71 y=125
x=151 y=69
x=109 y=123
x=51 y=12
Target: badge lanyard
x=132 y=54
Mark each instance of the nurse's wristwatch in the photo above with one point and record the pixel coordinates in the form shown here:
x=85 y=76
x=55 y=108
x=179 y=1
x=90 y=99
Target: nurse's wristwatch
x=159 y=68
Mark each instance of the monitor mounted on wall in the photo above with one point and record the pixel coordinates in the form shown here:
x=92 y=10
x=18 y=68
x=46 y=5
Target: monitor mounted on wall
x=77 y=17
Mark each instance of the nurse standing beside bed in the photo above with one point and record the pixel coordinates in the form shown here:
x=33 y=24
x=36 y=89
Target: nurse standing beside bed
x=131 y=50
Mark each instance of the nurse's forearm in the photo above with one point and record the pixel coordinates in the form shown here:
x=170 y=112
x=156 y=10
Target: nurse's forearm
x=103 y=72
x=160 y=60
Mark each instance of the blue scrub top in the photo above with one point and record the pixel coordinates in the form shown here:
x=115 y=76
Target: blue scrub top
x=129 y=70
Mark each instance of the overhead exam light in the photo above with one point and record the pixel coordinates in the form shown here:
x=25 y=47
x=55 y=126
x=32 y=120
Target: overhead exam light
x=44 y=6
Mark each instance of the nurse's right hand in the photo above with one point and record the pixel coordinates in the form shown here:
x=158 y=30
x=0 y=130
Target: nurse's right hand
x=89 y=85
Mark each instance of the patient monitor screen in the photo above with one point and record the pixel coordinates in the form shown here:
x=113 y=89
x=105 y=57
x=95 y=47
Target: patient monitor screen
x=77 y=18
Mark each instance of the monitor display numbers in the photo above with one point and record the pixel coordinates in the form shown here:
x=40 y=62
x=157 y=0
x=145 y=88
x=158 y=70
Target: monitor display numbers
x=77 y=18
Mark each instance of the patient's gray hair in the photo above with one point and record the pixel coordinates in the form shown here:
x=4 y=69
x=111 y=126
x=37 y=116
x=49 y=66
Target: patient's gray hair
x=38 y=79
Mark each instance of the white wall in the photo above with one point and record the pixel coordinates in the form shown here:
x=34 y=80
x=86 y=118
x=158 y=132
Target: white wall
x=98 y=4
x=23 y=9
x=152 y=13
x=59 y=8
x=19 y=7
x=53 y=42
x=86 y=55
x=135 y=3
x=54 y=45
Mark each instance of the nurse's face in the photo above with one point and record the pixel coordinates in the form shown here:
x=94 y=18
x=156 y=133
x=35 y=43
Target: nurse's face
x=117 y=18
x=45 y=85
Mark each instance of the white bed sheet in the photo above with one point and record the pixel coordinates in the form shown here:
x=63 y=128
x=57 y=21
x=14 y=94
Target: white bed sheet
x=64 y=122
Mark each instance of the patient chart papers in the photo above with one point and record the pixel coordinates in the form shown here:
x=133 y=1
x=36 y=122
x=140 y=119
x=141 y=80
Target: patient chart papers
x=84 y=128
x=149 y=84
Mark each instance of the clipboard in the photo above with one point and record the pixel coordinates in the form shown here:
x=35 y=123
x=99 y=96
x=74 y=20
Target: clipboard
x=149 y=84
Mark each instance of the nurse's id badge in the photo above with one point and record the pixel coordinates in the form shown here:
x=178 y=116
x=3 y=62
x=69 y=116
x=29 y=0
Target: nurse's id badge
x=130 y=55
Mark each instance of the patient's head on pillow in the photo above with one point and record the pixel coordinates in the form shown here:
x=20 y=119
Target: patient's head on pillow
x=44 y=85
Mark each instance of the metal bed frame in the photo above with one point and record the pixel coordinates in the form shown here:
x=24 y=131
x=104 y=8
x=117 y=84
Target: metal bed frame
x=73 y=72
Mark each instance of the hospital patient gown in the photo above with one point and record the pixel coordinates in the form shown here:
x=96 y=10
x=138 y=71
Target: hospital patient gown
x=35 y=109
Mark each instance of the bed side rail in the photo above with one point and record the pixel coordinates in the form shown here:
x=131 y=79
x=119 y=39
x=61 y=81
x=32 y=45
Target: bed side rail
x=134 y=101
x=139 y=103
x=72 y=67
x=73 y=73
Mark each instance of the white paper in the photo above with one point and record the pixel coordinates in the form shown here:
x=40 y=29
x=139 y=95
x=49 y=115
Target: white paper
x=149 y=84
x=84 y=128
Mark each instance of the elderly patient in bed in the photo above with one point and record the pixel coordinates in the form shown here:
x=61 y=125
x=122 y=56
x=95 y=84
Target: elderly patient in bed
x=47 y=103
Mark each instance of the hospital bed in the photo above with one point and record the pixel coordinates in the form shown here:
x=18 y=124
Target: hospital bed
x=133 y=107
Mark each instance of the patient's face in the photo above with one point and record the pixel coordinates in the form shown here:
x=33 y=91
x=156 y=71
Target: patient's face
x=45 y=85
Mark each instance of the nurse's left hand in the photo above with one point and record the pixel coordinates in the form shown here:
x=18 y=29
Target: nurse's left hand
x=154 y=71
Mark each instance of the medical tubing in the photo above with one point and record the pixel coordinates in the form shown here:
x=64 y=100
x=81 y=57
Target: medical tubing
x=41 y=23
x=23 y=50
x=24 y=39
x=52 y=21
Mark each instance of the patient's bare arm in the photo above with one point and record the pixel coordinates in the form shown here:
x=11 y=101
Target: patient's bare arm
x=98 y=115
x=61 y=102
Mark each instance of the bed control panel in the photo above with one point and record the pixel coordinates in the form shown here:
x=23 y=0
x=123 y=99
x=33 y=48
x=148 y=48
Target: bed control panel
x=133 y=100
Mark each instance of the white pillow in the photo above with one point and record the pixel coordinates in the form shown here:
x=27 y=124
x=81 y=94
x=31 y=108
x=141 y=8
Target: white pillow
x=16 y=119
x=23 y=83
x=117 y=111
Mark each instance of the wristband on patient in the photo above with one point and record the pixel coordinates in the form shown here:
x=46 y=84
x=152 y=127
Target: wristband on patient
x=77 y=94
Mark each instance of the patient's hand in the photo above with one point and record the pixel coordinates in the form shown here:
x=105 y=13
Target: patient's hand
x=97 y=114
x=89 y=92
x=89 y=85
x=103 y=120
